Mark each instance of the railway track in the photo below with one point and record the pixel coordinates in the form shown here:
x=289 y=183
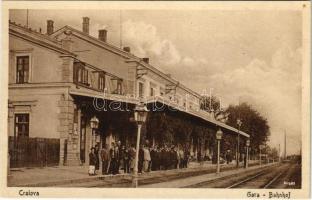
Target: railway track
x=264 y=179
x=268 y=177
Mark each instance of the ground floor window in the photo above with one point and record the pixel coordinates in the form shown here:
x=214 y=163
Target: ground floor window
x=22 y=125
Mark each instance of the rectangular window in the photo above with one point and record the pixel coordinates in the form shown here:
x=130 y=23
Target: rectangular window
x=141 y=89
x=101 y=85
x=119 y=87
x=81 y=74
x=85 y=76
x=22 y=69
x=22 y=125
x=152 y=92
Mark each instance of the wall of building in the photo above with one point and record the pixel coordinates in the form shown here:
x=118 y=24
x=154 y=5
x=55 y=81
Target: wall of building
x=42 y=104
x=100 y=57
x=46 y=65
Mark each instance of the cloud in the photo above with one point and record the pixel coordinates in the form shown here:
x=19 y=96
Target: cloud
x=145 y=42
x=188 y=61
x=272 y=88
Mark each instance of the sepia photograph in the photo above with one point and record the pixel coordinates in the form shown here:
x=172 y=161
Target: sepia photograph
x=158 y=97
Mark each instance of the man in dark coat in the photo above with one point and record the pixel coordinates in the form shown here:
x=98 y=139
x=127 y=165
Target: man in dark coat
x=187 y=155
x=105 y=157
x=167 y=158
x=154 y=159
x=141 y=159
x=114 y=160
x=126 y=159
x=96 y=152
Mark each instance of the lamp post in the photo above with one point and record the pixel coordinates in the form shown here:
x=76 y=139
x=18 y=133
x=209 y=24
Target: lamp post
x=260 y=160
x=247 y=149
x=239 y=123
x=140 y=114
x=94 y=123
x=218 y=137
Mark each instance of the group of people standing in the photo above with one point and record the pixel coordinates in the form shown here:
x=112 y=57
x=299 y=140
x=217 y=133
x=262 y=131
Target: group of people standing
x=162 y=158
x=150 y=158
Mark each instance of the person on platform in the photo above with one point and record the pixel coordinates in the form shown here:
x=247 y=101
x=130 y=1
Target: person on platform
x=199 y=156
x=147 y=159
x=132 y=153
x=114 y=159
x=187 y=155
x=92 y=162
x=167 y=158
x=126 y=159
x=228 y=156
x=154 y=159
x=181 y=158
x=161 y=153
x=118 y=149
x=174 y=158
x=96 y=152
x=141 y=159
x=105 y=157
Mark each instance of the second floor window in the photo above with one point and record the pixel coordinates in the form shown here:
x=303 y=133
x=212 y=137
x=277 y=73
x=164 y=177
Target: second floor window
x=141 y=89
x=81 y=74
x=101 y=85
x=119 y=87
x=152 y=92
x=22 y=69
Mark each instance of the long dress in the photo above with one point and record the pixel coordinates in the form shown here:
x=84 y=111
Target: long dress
x=92 y=163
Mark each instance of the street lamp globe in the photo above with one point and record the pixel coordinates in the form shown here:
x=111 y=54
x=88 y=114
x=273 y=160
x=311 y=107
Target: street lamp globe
x=94 y=122
x=140 y=113
x=219 y=134
x=248 y=143
x=239 y=122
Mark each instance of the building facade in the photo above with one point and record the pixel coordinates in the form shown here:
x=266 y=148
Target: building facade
x=59 y=80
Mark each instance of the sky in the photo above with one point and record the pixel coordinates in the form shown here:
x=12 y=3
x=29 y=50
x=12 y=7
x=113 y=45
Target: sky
x=252 y=56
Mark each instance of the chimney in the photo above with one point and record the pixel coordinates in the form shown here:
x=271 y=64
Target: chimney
x=103 y=35
x=127 y=49
x=146 y=60
x=85 y=25
x=50 y=27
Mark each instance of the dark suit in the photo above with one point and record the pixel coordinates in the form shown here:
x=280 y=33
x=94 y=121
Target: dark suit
x=141 y=159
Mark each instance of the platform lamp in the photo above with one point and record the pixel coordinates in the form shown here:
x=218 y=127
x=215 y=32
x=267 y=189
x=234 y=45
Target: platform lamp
x=140 y=114
x=260 y=156
x=219 y=134
x=94 y=123
x=247 y=149
x=239 y=123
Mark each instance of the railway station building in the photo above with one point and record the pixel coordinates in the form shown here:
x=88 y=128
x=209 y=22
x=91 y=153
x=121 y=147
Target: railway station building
x=61 y=79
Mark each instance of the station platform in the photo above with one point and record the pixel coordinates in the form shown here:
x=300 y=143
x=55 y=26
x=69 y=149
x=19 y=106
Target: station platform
x=78 y=175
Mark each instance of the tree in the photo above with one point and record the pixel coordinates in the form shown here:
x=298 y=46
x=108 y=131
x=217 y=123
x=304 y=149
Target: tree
x=252 y=123
x=213 y=106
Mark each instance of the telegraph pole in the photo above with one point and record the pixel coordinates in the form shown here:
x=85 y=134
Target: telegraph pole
x=27 y=18
x=285 y=146
x=120 y=21
x=279 y=152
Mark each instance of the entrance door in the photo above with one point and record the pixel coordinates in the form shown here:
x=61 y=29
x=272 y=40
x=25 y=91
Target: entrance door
x=83 y=140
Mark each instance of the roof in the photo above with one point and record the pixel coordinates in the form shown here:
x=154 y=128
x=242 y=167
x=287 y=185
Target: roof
x=198 y=113
x=131 y=57
x=37 y=38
